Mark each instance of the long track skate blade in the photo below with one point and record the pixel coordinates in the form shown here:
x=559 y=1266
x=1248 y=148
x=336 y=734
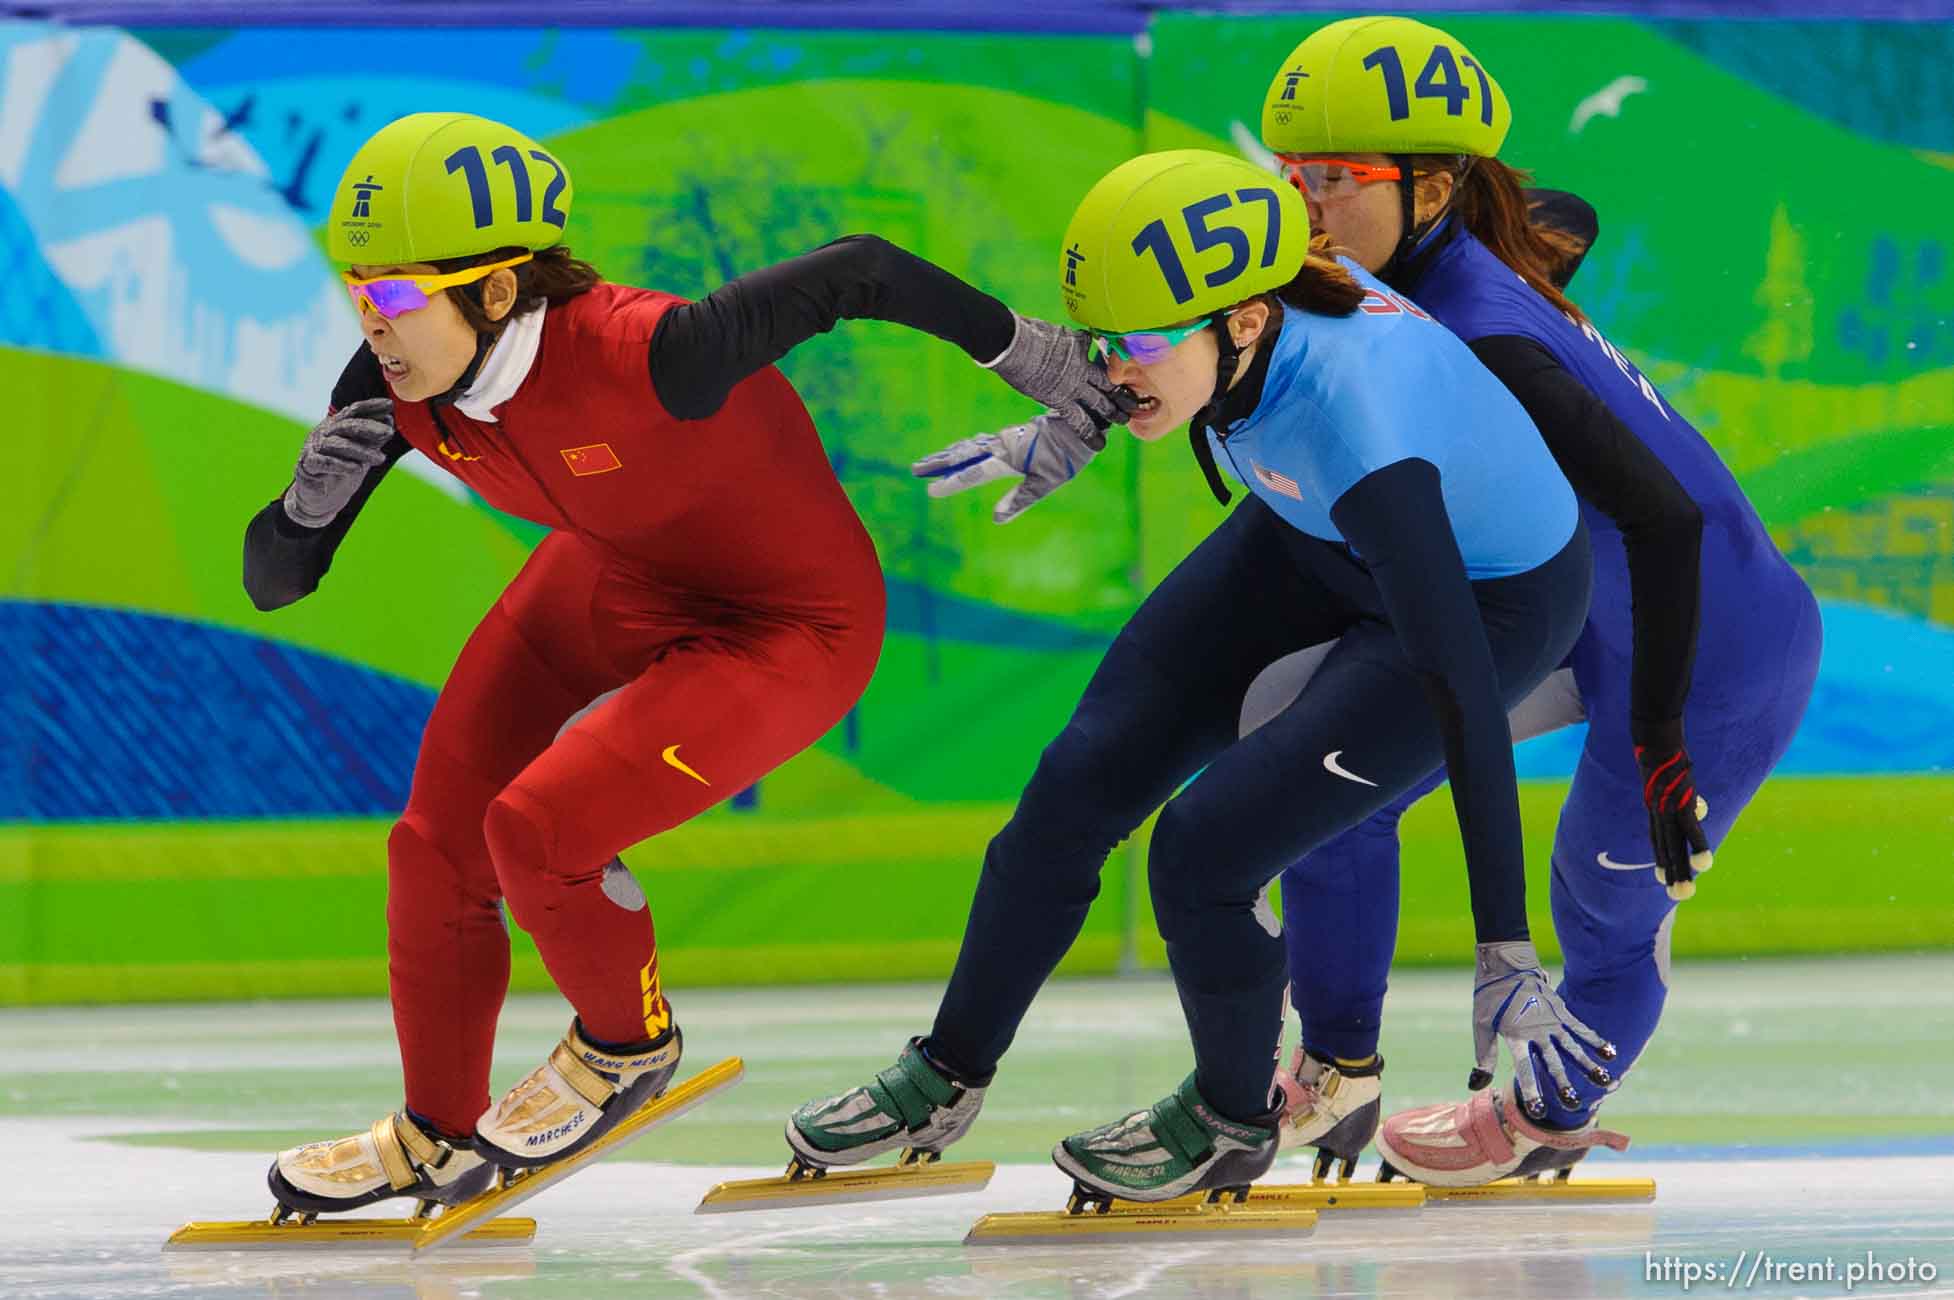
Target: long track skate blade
x=1574 y=1191
x=1167 y=1221
x=1327 y=1196
x=259 y=1234
x=674 y=1103
x=842 y=1186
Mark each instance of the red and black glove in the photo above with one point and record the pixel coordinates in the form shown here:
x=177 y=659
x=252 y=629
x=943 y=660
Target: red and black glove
x=1676 y=811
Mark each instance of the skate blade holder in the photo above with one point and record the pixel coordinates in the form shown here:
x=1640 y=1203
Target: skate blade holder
x=1329 y=1196
x=915 y=1173
x=515 y=1187
x=475 y=1220
x=286 y=1230
x=1088 y=1216
x=1559 y=1188
x=1550 y=1191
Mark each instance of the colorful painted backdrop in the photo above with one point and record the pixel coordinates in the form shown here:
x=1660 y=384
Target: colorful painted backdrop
x=194 y=796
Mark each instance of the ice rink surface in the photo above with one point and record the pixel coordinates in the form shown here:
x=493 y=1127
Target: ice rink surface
x=1798 y=1117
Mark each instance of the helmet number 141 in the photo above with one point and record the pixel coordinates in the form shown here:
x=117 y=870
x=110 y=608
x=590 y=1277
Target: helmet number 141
x=1439 y=79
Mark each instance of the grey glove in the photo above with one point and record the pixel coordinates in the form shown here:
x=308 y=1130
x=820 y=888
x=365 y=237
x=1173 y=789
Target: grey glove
x=1512 y=1000
x=337 y=454
x=1045 y=452
x=1053 y=366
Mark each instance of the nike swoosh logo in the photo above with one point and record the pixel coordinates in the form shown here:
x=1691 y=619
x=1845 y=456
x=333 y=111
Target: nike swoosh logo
x=1335 y=768
x=672 y=758
x=1612 y=865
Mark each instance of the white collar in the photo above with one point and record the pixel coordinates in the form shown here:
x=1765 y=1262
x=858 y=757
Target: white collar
x=505 y=368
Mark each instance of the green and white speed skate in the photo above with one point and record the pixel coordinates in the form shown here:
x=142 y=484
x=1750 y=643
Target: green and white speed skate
x=1178 y=1147
x=1181 y=1170
x=915 y=1106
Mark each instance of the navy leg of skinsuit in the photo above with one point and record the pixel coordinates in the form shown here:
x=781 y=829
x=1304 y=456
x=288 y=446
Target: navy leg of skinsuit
x=1165 y=704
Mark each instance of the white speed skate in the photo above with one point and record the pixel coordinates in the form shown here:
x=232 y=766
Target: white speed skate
x=394 y=1158
x=1332 y=1107
x=574 y=1098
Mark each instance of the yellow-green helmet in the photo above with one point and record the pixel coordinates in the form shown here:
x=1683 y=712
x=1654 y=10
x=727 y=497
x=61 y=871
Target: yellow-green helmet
x=1168 y=237
x=436 y=185
x=1384 y=85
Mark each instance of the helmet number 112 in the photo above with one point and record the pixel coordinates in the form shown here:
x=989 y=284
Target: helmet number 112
x=468 y=161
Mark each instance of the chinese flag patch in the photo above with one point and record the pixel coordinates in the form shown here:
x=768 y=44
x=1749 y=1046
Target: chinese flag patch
x=597 y=458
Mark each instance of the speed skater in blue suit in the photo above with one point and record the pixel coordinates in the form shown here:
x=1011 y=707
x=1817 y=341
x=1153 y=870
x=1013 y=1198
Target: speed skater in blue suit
x=1698 y=628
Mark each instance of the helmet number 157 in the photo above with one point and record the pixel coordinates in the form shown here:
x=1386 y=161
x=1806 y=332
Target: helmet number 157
x=1154 y=238
x=468 y=161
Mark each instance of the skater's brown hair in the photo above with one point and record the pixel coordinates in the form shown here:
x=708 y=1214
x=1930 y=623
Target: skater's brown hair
x=552 y=276
x=1323 y=285
x=1490 y=200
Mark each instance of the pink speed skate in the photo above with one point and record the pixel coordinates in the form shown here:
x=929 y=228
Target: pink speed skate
x=1468 y=1143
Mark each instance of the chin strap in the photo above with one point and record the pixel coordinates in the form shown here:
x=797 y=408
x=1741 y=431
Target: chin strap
x=1408 y=232
x=1408 y=258
x=483 y=342
x=1209 y=416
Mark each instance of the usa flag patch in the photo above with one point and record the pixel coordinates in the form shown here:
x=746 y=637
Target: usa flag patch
x=1277 y=482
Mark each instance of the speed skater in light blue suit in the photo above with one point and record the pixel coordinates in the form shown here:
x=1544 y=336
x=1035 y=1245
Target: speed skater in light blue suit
x=1698 y=626
x=1402 y=505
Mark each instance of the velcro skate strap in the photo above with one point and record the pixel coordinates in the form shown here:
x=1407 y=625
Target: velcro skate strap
x=1479 y=1123
x=1299 y=1096
x=395 y=1160
x=584 y=1081
x=1176 y=1128
x=1608 y=1138
x=421 y=1148
x=1579 y=1139
x=895 y=1095
x=910 y=1088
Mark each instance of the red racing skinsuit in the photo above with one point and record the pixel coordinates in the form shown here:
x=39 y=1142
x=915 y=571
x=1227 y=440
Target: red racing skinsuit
x=707 y=584
x=706 y=605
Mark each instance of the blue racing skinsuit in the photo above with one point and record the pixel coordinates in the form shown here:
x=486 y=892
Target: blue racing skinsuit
x=1403 y=506
x=1631 y=456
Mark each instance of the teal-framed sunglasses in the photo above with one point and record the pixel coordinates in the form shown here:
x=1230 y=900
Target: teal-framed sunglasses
x=1145 y=347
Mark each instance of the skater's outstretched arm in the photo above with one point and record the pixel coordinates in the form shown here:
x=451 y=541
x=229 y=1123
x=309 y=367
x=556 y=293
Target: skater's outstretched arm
x=1395 y=519
x=1662 y=532
x=289 y=545
x=701 y=349
x=1661 y=526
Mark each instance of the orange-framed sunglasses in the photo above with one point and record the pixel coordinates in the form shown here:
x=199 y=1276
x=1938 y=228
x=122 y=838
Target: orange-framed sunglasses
x=394 y=295
x=1333 y=178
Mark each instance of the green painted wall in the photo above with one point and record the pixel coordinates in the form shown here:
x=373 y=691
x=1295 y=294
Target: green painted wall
x=1810 y=337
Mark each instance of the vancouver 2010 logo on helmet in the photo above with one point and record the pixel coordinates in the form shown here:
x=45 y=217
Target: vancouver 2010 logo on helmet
x=1072 y=259
x=363 y=192
x=1290 y=81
